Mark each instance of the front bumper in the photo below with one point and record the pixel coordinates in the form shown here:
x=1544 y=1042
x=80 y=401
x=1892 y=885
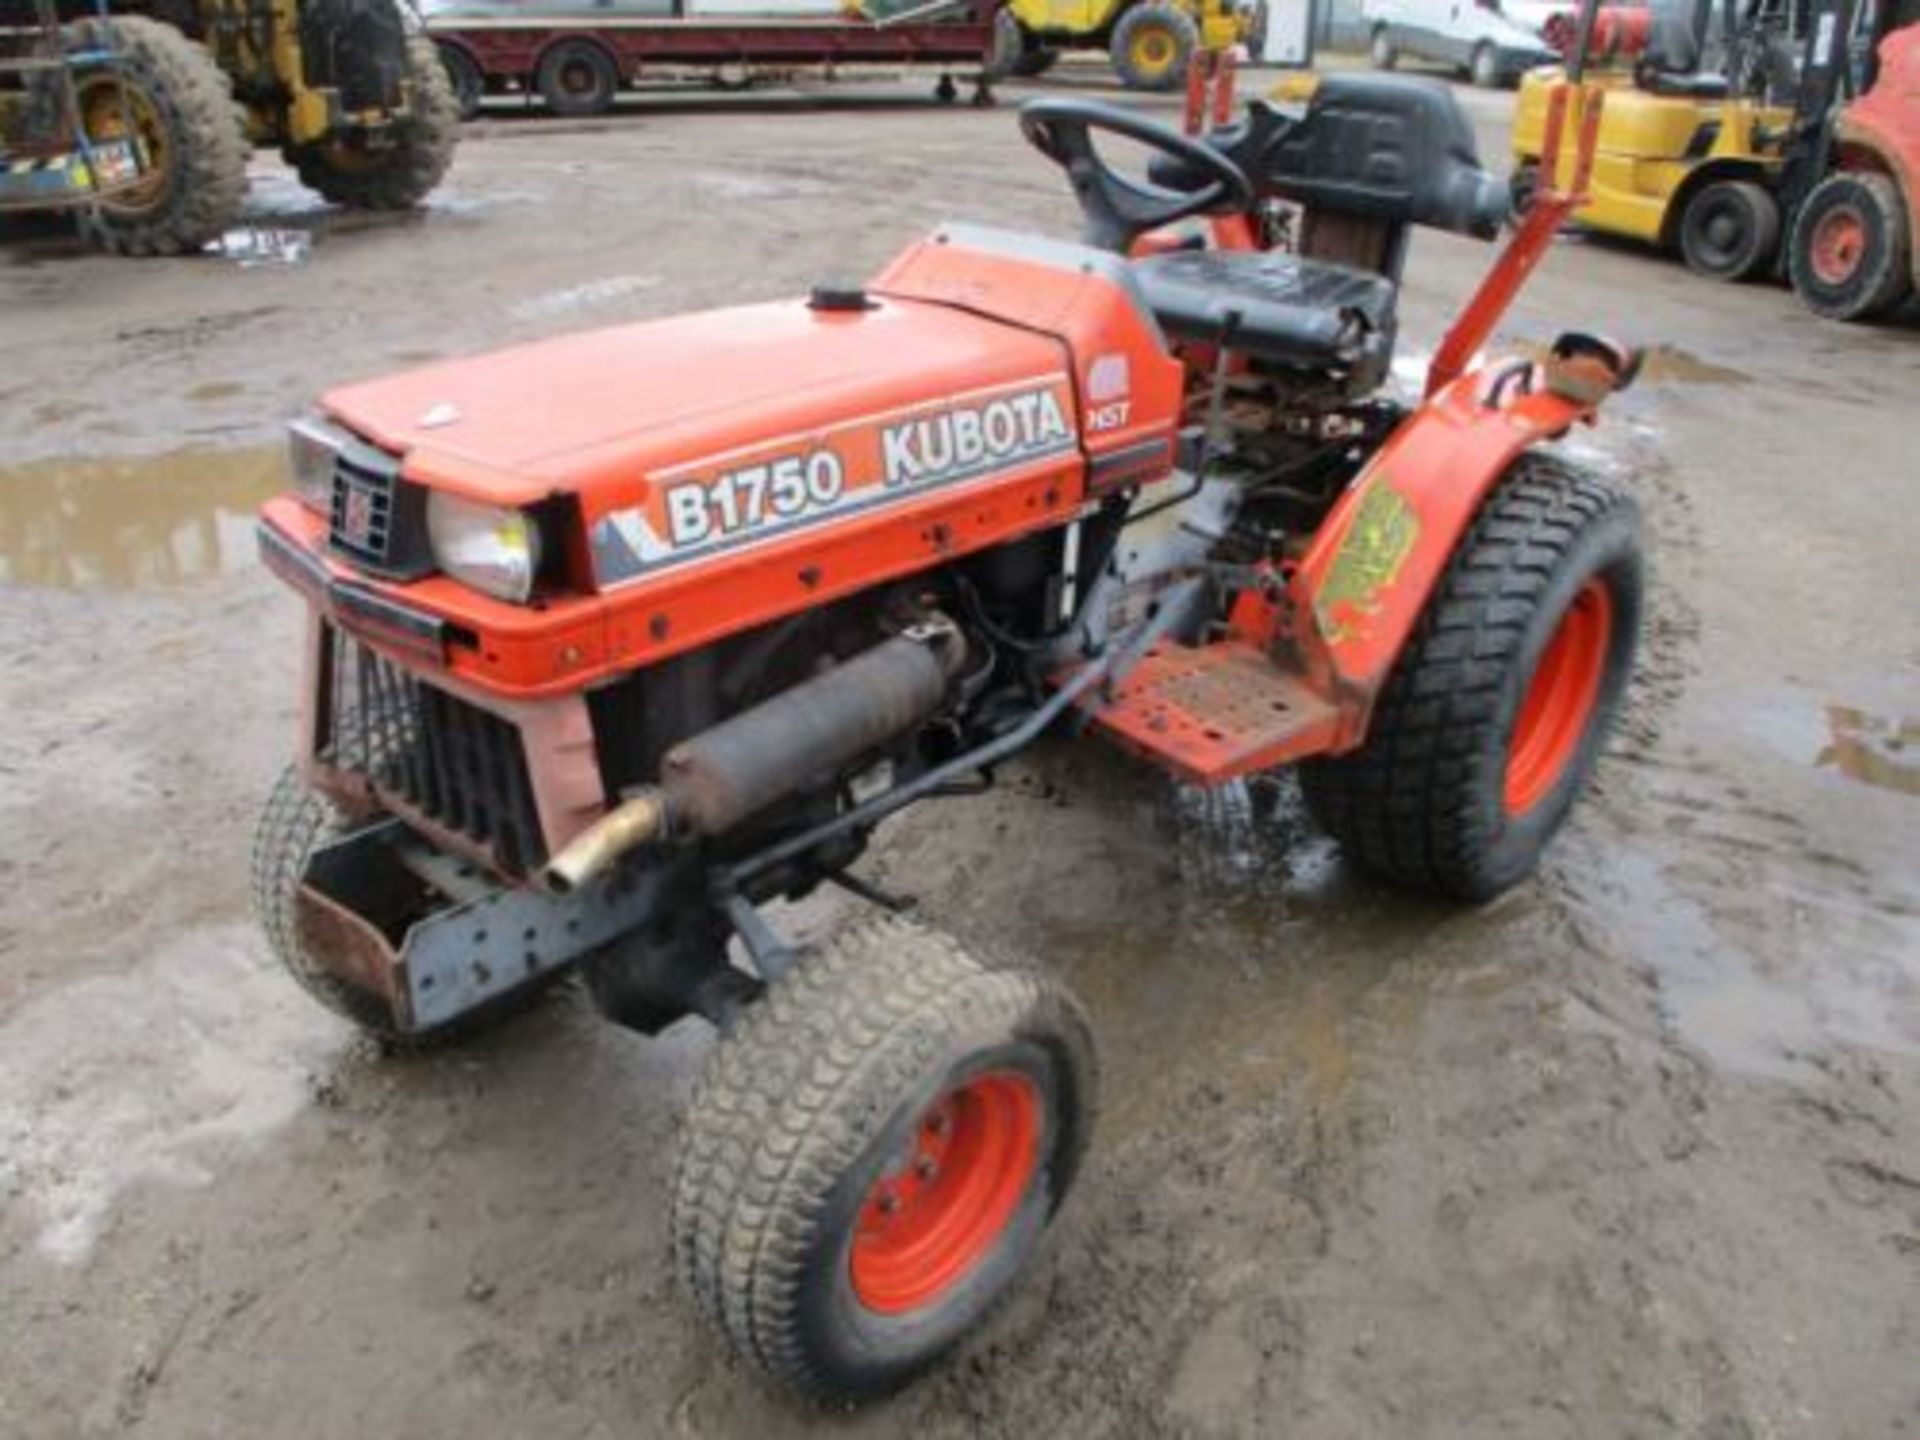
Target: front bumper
x=363 y=911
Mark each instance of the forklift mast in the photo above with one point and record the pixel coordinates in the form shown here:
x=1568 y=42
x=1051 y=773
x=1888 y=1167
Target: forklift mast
x=1836 y=65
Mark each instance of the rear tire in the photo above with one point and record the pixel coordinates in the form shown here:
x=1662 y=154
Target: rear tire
x=1849 y=257
x=1152 y=46
x=402 y=173
x=182 y=107
x=1497 y=709
x=578 y=78
x=1381 y=51
x=1730 y=230
x=872 y=1156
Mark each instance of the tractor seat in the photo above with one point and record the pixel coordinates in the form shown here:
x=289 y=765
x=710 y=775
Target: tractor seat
x=1283 y=309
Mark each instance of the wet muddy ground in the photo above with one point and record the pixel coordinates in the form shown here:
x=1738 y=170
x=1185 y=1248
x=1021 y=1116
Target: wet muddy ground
x=1633 y=1151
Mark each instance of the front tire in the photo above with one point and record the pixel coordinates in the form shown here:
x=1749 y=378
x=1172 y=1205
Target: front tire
x=1849 y=257
x=401 y=173
x=1496 y=711
x=1152 y=46
x=181 y=107
x=294 y=823
x=1730 y=230
x=873 y=1154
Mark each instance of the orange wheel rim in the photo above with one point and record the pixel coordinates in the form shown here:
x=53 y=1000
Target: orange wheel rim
x=1559 y=703
x=942 y=1206
x=1839 y=240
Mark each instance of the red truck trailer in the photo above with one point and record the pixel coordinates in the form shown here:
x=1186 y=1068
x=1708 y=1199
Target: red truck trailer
x=578 y=64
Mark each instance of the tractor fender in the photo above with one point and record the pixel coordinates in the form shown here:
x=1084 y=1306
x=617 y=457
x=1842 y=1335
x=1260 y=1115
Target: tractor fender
x=1362 y=584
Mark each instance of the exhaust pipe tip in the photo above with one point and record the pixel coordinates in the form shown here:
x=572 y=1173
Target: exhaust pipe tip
x=639 y=820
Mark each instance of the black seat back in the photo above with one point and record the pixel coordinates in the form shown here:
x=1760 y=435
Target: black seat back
x=1387 y=148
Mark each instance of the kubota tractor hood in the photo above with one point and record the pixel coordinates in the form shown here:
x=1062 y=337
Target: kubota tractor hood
x=602 y=412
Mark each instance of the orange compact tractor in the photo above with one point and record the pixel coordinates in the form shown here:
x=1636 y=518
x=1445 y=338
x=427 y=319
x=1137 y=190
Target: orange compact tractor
x=614 y=639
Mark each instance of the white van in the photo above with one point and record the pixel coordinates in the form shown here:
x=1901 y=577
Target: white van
x=1494 y=41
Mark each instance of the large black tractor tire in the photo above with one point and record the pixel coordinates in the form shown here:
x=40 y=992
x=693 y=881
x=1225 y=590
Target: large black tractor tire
x=1850 y=255
x=182 y=108
x=293 y=824
x=1152 y=45
x=1496 y=711
x=1730 y=230
x=464 y=76
x=402 y=172
x=577 y=78
x=872 y=1156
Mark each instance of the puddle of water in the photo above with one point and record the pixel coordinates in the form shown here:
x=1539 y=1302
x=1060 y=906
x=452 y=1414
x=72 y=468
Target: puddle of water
x=162 y=1074
x=135 y=523
x=1264 y=965
x=1669 y=364
x=1664 y=365
x=1873 y=749
x=1714 y=996
x=250 y=245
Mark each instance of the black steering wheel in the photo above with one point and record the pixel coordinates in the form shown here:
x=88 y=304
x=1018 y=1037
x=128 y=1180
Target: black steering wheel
x=1119 y=209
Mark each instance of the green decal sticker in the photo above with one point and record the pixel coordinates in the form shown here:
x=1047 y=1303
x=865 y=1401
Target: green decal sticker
x=1376 y=545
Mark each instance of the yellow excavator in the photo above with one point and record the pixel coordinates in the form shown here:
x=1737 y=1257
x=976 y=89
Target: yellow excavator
x=1150 y=41
x=141 y=116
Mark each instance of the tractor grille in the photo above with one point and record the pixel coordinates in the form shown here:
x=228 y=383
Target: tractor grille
x=431 y=753
x=375 y=519
x=360 y=519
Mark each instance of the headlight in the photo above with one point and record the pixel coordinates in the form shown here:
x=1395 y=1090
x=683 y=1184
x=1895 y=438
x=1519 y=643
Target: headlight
x=494 y=549
x=312 y=447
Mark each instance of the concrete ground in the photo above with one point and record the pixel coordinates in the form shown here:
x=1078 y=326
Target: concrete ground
x=1632 y=1151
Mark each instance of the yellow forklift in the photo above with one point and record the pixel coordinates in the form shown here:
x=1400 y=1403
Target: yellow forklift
x=141 y=116
x=1150 y=41
x=1709 y=143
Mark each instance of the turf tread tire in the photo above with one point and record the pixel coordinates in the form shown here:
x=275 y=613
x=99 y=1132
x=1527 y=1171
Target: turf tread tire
x=206 y=185
x=295 y=821
x=1419 y=803
x=794 y=1096
x=418 y=160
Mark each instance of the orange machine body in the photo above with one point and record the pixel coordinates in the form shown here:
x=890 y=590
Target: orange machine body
x=729 y=468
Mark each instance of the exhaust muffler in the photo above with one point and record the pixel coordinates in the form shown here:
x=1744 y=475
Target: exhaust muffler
x=712 y=781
